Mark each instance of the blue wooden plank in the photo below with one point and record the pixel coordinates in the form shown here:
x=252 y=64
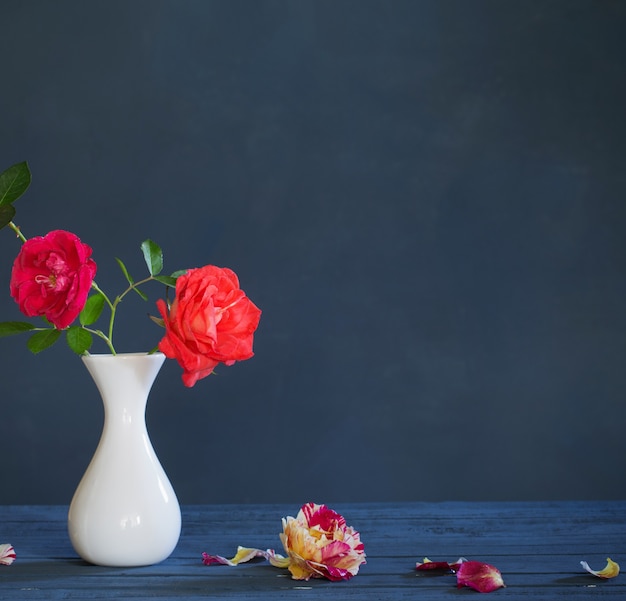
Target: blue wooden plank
x=537 y=546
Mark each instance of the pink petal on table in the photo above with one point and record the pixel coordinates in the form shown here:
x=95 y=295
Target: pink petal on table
x=482 y=577
x=7 y=554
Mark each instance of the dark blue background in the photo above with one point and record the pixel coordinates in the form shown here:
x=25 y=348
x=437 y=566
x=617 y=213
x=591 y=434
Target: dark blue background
x=426 y=199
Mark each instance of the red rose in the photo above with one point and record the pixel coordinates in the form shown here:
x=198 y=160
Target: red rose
x=52 y=276
x=211 y=321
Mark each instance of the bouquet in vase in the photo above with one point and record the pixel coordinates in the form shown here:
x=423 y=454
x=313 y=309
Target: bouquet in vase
x=209 y=321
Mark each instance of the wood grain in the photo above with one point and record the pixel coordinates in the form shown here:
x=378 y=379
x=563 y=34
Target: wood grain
x=537 y=546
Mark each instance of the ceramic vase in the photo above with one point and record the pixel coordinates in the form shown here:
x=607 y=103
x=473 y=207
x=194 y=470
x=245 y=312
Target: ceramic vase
x=124 y=512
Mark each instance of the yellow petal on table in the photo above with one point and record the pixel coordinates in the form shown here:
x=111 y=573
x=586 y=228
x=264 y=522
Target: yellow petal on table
x=243 y=554
x=610 y=571
x=427 y=564
x=277 y=560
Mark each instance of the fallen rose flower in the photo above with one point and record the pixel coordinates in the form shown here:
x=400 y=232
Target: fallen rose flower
x=52 y=276
x=7 y=554
x=210 y=321
x=610 y=571
x=482 y=577
x=320 y=544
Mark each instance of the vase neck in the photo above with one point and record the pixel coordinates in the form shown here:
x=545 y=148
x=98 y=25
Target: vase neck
x=124 y=380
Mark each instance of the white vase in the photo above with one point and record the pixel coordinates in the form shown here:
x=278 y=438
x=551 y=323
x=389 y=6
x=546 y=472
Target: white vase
x=124 y=512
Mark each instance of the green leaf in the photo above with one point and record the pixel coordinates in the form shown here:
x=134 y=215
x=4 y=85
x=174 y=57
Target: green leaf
x=7 y=212
x=92 y=309
x=141 y=293
x=168 y=280
x=42 y=340
x=127 y=275
x=9 y=328
x=158 y=320
x=13 y=182
x=153 y=256
x=79 y=339
x=130 y=279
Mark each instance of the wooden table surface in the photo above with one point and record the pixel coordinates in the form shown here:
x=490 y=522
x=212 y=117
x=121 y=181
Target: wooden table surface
x=537 y=547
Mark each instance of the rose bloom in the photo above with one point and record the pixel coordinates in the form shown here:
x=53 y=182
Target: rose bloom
x=320 y=545
x=52 y=277
x=211 y=321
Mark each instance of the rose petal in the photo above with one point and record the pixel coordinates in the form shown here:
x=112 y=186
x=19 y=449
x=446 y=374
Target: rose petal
x=482 y=577
x=610 y=571
x=439 y=565
x=243 y=554
x=7 y=554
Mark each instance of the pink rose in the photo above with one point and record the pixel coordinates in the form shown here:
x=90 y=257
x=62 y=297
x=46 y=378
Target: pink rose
x=211 y=321
x=320 y=545
x=52 y=276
